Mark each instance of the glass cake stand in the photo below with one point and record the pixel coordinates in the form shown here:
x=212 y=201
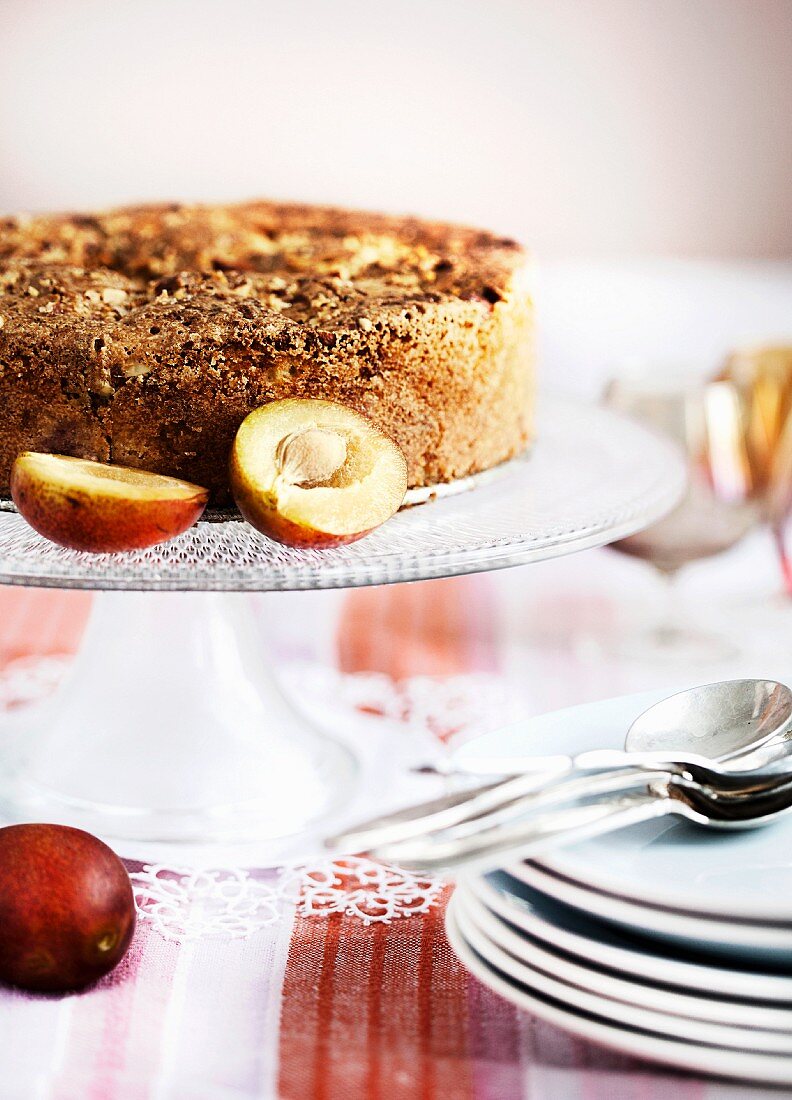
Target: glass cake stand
x=171 y=726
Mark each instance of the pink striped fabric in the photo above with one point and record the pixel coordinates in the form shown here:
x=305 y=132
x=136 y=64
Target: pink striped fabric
x=312 y=1008
x=388 y=1011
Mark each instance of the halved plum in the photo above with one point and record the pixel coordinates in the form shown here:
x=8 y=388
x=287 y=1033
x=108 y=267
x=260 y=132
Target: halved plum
x=86 y=505
x=315 y=473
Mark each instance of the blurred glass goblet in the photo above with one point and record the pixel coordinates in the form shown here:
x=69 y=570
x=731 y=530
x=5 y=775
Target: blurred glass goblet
x=717 y=510
x=778 y=502
x=762 y=376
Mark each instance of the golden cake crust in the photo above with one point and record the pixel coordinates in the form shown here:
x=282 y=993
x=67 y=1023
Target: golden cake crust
x=144 y=336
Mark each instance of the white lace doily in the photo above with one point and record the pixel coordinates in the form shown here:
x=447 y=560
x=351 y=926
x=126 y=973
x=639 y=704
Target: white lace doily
x=444 y=706
x=183 y=904
x=359 y=887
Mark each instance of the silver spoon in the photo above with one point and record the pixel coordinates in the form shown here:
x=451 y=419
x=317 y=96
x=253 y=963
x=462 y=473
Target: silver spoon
x=745 y=724
x=529 y=837
x=730 y=720
x=720 y=721
x=738 y=726
x=699 y=774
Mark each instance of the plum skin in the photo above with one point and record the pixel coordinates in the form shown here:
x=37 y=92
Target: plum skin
x=67 y=911
x=75 y=521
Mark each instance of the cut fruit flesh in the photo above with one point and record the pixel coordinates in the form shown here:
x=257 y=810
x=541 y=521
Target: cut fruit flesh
x=97 y=478
x=316 y=467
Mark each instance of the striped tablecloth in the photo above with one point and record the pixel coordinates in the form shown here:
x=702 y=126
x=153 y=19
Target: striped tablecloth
x=328 y=1006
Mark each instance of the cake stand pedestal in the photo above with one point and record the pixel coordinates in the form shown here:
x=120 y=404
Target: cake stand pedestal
x=171 y=726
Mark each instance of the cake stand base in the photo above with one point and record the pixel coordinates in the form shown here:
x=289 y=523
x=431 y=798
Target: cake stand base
x=171 y=727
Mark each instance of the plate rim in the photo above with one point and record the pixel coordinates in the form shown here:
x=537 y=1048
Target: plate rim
x=587 y=977
x=653 y=919
x=653 y=1020
x=714 y=1061
x=618 y=956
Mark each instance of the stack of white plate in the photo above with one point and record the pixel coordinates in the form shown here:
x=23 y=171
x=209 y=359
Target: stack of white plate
x=665 y=941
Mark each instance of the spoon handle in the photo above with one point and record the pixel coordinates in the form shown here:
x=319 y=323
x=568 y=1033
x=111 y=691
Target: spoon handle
x=443 y=812
x=610 y=759
x=567 y=789
x=494 y=847
x=593 y=760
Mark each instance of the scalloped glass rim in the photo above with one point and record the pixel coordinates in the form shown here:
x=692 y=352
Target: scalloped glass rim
x=592 y=477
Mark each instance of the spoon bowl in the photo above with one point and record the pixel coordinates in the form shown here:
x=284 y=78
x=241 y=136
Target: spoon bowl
x=719 y=721
x=746 y=719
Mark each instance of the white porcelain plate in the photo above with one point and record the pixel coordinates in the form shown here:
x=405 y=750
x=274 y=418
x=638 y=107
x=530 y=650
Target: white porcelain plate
x=584 y=938
x=630 y=1039
x=649 y=1018
x=761 y=941
x=643 y=993
x=666 y=862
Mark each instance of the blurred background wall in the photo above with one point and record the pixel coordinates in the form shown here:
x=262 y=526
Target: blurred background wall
x=586 y=127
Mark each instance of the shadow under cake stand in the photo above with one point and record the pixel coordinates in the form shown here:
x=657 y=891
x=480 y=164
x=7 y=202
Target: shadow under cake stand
x=171 y=726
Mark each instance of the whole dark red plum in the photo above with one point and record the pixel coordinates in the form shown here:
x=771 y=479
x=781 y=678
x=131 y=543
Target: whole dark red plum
x=67 y=913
